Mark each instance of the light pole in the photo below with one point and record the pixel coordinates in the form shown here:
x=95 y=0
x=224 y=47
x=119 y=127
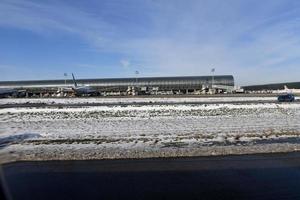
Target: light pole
x=65 y=75
x=213 y=78
x=136 y=77
x=135 y=88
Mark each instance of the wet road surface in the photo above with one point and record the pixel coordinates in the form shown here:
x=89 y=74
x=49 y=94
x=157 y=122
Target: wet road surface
x=265 y=176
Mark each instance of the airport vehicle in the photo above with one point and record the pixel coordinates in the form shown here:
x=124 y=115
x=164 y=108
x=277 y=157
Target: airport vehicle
x=83 y=90
x=286 y=98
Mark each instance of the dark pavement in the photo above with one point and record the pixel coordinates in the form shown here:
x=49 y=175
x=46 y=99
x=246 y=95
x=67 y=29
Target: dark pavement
x=266 y=176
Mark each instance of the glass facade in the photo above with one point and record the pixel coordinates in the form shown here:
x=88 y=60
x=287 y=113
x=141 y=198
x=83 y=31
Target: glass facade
x=163 y=83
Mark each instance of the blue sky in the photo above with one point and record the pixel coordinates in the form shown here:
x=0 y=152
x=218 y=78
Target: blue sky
x=256 y=41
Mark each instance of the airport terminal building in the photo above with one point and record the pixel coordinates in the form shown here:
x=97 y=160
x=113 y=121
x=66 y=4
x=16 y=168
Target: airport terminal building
x=275 y=86
x=184 y=84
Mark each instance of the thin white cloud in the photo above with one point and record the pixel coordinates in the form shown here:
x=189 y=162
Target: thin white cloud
x=46 y=18
x=250 y=39
x=125 y=63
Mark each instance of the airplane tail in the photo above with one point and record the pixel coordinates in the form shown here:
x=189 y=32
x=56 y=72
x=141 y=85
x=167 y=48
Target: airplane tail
x=74 y=81
x=286 y=88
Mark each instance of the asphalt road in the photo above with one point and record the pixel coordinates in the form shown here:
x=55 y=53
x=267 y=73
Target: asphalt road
x=266 y=176
x=78 y=105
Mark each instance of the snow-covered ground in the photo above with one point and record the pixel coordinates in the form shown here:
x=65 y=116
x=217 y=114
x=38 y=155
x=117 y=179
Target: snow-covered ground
x=144 y=128
x=133 y=100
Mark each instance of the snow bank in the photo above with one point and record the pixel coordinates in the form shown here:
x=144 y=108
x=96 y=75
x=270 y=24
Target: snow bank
x=148 y=126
